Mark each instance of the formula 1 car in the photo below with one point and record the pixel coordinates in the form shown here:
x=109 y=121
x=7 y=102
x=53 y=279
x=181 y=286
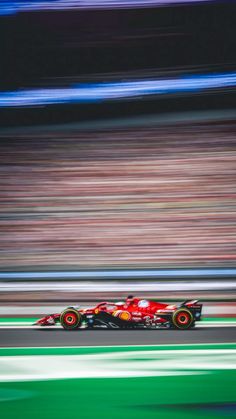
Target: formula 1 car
x=134 y=313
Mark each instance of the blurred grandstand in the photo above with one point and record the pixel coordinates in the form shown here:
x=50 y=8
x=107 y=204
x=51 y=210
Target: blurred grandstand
x=99 y=170
x=153 y=197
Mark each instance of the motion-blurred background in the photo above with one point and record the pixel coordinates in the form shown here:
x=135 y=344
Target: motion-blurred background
x=118 y=151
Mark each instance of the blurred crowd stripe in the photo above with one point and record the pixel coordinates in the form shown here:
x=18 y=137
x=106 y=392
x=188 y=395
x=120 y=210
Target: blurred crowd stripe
x=12 y=7
x=87 y=287
x=157 y=197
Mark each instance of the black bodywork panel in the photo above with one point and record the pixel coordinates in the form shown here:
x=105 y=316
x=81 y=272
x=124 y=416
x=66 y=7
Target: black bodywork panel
x=104 y=319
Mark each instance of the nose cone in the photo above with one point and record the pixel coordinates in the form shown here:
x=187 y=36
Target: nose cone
x=40 y=322
x=45 y=321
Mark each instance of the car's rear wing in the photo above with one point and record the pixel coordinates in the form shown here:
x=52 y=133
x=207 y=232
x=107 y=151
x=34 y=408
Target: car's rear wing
x=194 y=306
x=189 y=303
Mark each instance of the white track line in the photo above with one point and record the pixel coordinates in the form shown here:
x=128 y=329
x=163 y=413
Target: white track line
x=115 y=286
x=105 y=365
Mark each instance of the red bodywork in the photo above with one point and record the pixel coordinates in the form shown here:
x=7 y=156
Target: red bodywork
x=132 y=310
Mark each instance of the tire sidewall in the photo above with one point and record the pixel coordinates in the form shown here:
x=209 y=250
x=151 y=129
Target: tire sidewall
x=74 y=325
x=182 y=326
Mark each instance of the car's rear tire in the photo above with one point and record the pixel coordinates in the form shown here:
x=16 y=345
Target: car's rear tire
x=182 y=319
x=70 y=319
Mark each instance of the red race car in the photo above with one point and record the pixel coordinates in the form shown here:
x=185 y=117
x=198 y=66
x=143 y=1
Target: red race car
x=134 y=313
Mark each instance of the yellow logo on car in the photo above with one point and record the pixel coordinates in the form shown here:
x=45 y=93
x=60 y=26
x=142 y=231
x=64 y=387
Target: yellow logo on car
x=125 y=315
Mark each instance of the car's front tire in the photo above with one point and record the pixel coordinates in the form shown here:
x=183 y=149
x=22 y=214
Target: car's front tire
x=182 y=319
x=70 y=319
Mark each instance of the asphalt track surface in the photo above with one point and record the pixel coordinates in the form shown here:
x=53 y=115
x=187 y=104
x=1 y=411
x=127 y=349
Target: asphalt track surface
x=59 y=337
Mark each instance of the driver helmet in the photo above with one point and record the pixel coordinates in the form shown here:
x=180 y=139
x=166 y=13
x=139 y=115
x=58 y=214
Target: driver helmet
x=130 y=299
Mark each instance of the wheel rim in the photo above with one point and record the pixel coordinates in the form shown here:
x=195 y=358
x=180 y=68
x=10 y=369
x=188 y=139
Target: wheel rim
x=70 y=319
x=183 y=318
